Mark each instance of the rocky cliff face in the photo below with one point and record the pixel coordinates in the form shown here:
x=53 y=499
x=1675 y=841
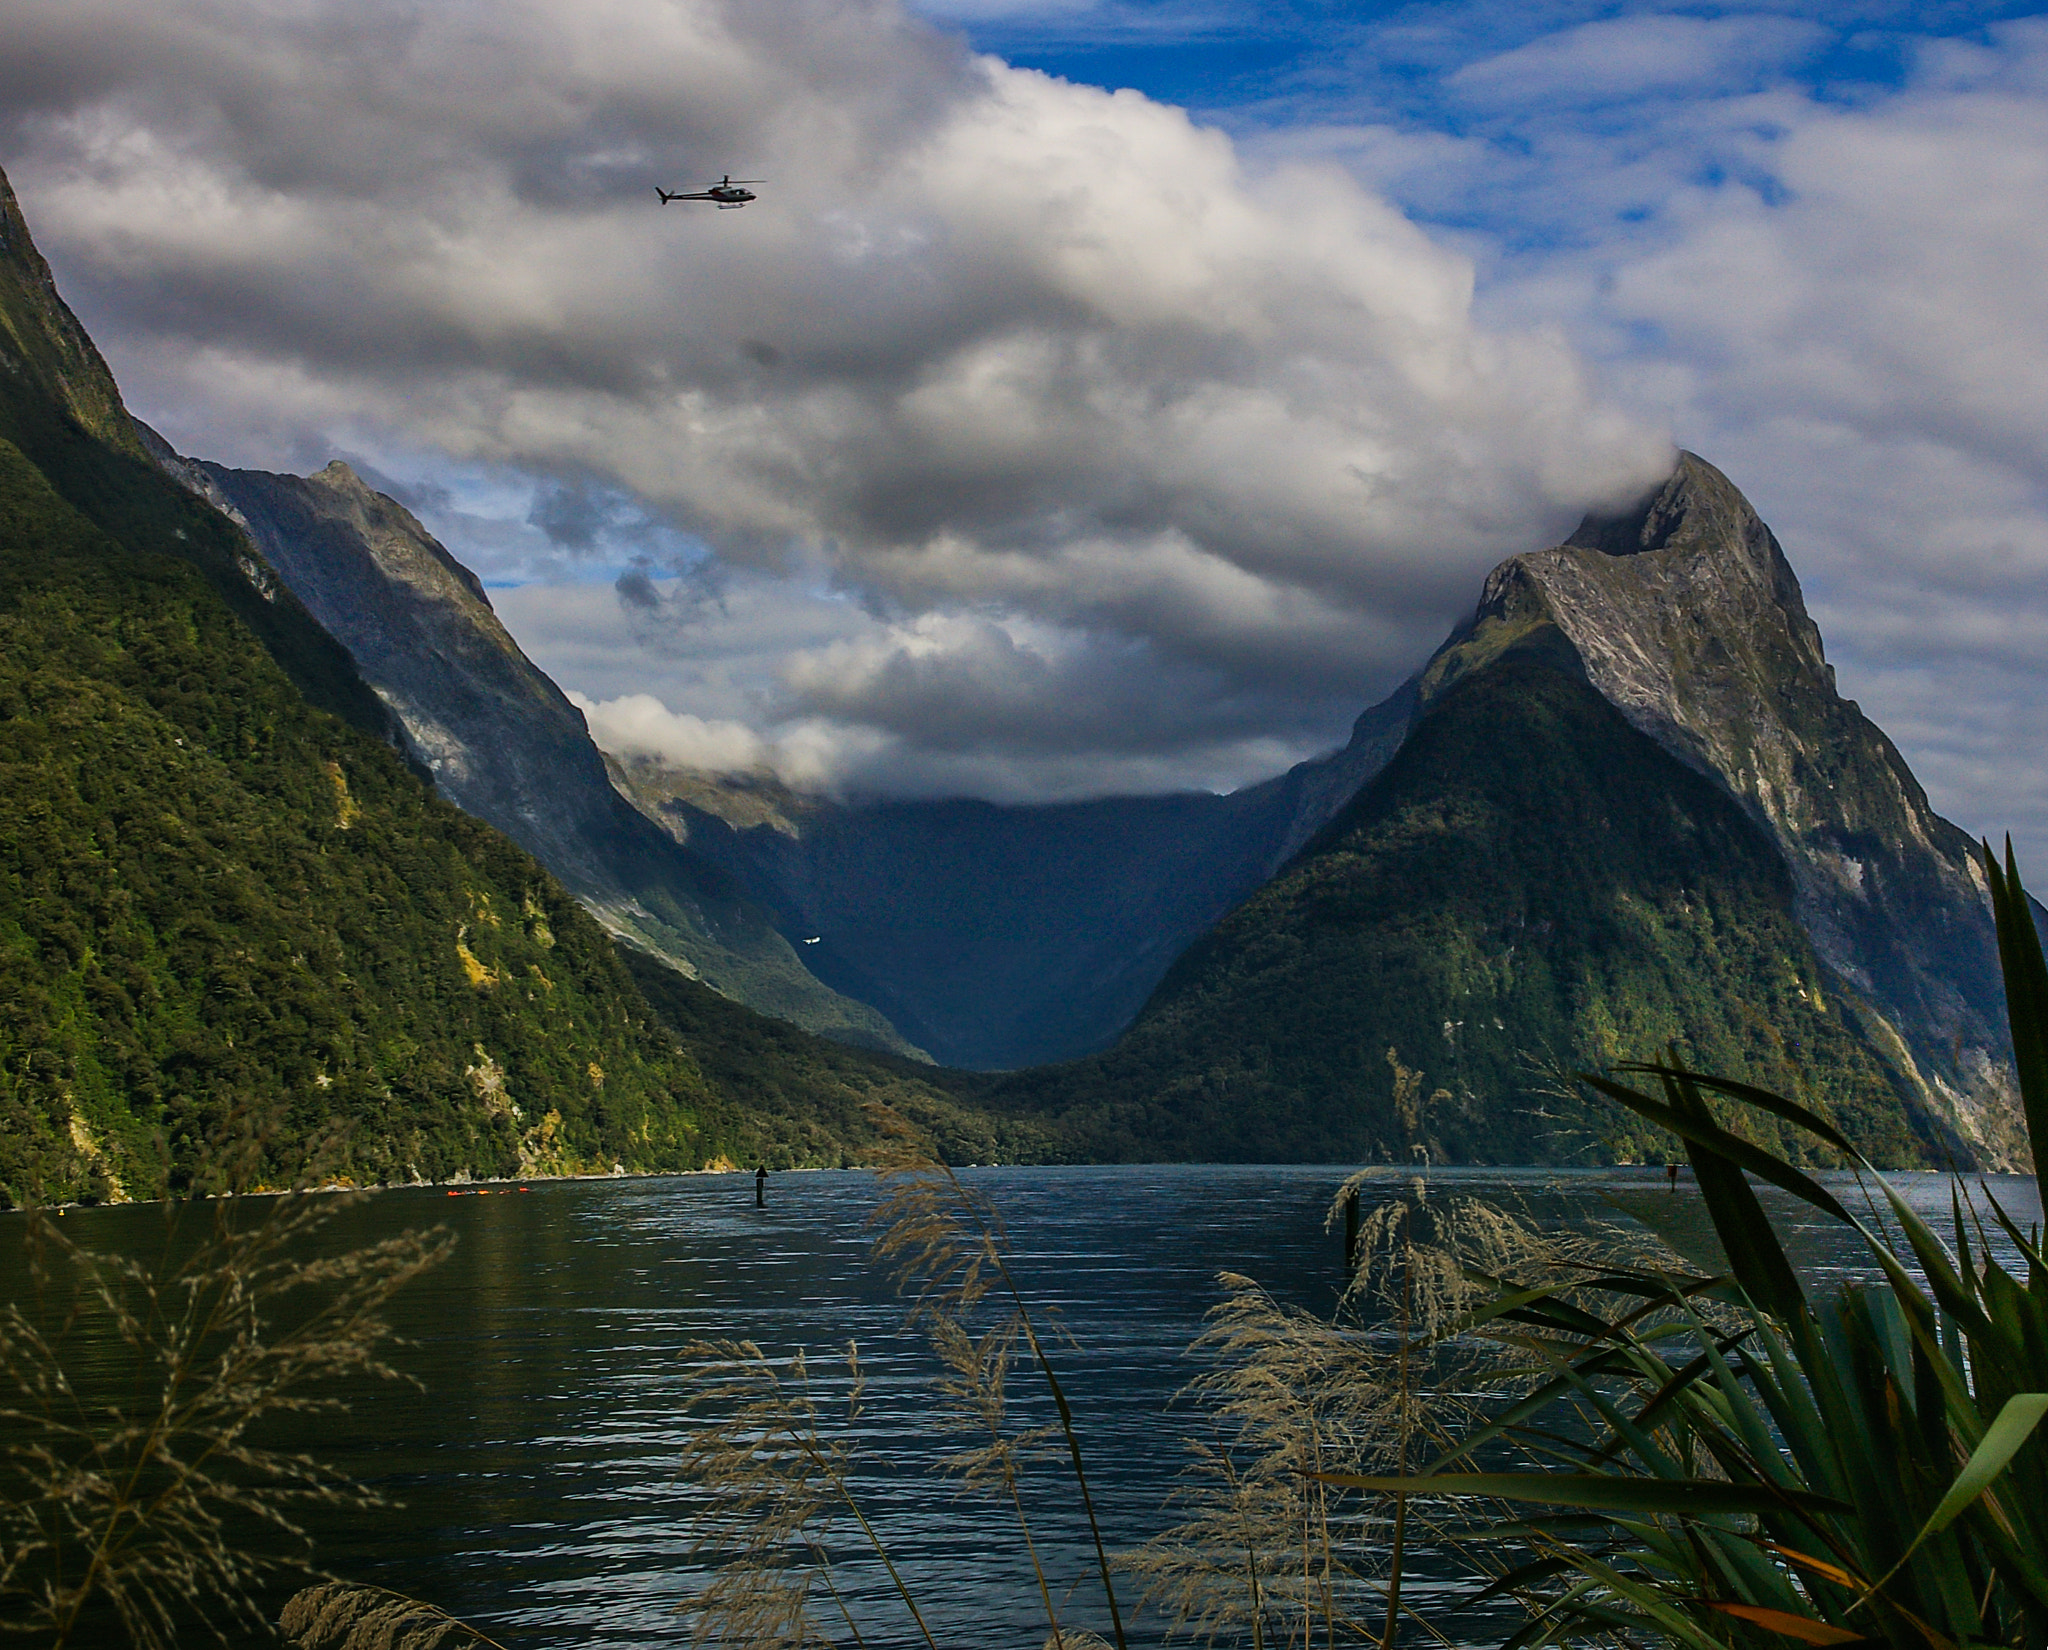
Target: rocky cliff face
x=501 y=740
x=1685 y=615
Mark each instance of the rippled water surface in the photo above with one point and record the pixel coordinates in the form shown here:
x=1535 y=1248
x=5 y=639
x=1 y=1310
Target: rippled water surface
x=537 y=1466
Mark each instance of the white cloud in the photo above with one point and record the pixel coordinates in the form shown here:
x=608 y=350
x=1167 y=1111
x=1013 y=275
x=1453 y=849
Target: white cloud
x=638 y=724
x=1629 y=57
x=933 y=704
x=1819 y=267
x=992 y=350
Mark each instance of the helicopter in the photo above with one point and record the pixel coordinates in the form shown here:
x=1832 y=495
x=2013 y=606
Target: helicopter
x=726 y=194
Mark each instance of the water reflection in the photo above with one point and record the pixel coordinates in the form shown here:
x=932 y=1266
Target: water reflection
x=536 y=1466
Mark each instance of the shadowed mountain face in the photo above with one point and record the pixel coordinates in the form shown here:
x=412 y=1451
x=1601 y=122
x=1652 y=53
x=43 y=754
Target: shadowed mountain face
x=1530 y=882
x=501 y=740
x=61 y=409
x=996 y=936
x=1630 y=813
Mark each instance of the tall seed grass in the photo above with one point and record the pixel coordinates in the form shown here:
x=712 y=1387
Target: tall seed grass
x=1273 y=1548
x=143 y=1494
x=784 y=1495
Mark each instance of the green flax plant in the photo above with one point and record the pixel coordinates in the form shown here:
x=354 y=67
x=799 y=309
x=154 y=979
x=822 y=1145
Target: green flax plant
x=783 y=1481
x=143 y=1494
x=1737 y=1464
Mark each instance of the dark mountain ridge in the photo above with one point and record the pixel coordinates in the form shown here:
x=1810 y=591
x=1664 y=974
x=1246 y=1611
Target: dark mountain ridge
x=1686 y=616
x=1529 y=886
x=502 y=741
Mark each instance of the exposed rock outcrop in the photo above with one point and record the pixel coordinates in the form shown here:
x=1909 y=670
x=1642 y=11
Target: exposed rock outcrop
x=1685 y=615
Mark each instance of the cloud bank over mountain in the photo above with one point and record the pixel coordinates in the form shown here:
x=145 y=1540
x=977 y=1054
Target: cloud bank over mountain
x=1044 y=444
x=1806 y=238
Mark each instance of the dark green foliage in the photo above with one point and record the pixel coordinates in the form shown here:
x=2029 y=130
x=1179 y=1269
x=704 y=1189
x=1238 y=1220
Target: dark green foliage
x=220 y=907
x=1530 y=876
x=2026 y=988
x=1863 y=1469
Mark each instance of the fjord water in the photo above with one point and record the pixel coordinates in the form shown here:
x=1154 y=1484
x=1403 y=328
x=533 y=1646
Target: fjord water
x=535 y=1466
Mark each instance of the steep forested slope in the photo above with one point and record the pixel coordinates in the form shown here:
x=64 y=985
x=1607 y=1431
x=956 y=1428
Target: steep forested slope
x=230 y=911
x=1530 y=877
x=502 y=741
x=221 y=908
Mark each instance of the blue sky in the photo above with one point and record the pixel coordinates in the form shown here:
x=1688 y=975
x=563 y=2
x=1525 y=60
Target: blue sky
x=1290 y=62
x=1028 y=441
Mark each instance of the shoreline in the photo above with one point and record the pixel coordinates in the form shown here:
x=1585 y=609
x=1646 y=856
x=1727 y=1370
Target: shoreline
x=466 y=1187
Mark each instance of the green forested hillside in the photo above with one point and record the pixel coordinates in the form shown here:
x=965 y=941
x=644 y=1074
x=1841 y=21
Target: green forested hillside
x=1529 y=878
x=221 y=908
x=230 y=911
x=60 y=407
x=223 y=911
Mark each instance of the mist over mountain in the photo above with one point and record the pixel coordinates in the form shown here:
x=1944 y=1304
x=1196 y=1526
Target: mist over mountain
x=999 y=936
x=501 y=740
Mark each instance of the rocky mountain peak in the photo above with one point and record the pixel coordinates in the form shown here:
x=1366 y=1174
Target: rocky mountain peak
x=1689 y=619
x=1696 y=503
x=1685 y=615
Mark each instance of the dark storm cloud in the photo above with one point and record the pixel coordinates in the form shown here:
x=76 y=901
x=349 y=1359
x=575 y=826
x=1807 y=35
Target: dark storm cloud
x=637 y=590
x=571 y=516
x=1102 y=437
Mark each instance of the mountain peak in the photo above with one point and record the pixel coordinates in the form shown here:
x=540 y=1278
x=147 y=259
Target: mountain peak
x=1696 y=501
x=1684 y=614
x=44 y=342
